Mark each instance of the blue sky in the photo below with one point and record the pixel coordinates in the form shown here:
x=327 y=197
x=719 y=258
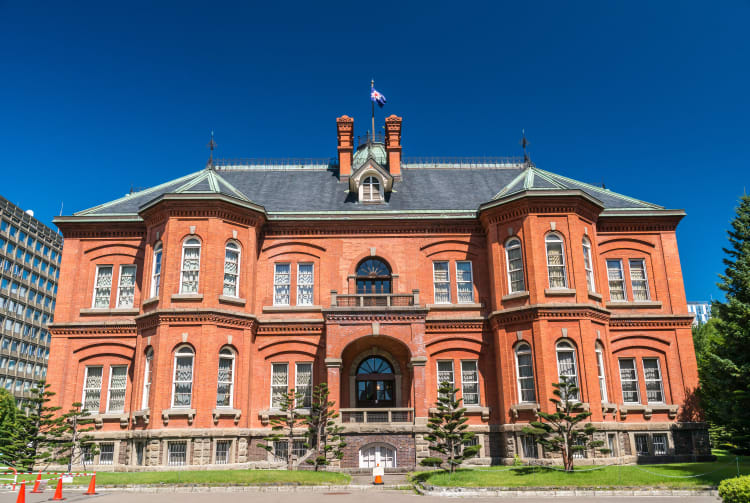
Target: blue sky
x=650 y=98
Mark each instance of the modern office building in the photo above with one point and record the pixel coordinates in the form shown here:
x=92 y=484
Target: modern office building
x=701 y=310
x=30 y=255
x=190 y=308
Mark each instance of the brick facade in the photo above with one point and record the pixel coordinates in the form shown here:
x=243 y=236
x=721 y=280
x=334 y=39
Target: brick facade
x=412 y=333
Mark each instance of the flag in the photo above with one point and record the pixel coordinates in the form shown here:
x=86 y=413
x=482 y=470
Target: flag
x=377 y=97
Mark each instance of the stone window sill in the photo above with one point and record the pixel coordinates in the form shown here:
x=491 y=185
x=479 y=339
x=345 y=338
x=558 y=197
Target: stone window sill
x=559 y=292
x=471 y=410
x=649 y=409
x=187 y=297
x=149 y=301
x=292 y=309
x=595 y=296
x=99 y=419
x=265 y=415
x=515 y=295
x=608 y=407
x=641 y=304
x=523 y=407
x=96 y=311
x=232 y=300
x=469 y=306
x=166 y=414
x=226 y=412
x=144 y=415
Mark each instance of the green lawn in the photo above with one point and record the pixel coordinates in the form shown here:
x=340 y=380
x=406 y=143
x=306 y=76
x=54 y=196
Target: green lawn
x=685 y=475
x=215 y=477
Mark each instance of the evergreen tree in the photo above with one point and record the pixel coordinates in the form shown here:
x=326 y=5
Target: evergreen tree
x=448 y=435
x=561 y=430
x=283 y=425
x=725 y=377
x=705 y=341
x=8 y=425
x=323 y=434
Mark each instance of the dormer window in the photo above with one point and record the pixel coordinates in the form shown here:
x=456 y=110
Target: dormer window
x=371 y=190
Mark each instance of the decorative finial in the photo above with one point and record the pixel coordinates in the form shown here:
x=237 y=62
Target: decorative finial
x=524 y=144
x=211 y=146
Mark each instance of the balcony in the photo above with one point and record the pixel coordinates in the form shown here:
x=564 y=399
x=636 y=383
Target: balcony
x=381 y=300
x=377 y=416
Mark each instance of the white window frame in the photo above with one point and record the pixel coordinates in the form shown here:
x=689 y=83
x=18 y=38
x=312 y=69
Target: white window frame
x=367 y=196
x=610 y=280
x=95 y=390
x=567 y=347
x=120 y=287
x=147 y=376
x=602 y=372
x=96 y=283
x=173 y=452
x=588 y=264
x=190 y=243
x=286 y=385
x=452 y=371
x=435 y=283
x=109 y=388
x=654 y=443
x=459 y=282
x=301 y=285
x=177 y=354
x=464 y=382
x=637 y=384
x=288 y=284
x=554 y=238
x=510 y=245
x=226 y=354
x=233 y=247
x=523 y=349
x=109 y=460
x=646 y=380
x=227 y=457
x=642 y=266
x=298 y=386
x=156 y=269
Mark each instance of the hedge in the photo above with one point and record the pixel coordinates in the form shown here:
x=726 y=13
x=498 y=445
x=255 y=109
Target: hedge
x=736 y=490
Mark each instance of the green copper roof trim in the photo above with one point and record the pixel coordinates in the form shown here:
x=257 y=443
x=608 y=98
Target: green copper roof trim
x=215 y=181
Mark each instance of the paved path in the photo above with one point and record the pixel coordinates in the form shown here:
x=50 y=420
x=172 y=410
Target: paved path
x=342 y=496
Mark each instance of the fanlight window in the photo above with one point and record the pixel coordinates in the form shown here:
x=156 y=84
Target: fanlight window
x=371 y=190
x=375 y=365
x=373 y=276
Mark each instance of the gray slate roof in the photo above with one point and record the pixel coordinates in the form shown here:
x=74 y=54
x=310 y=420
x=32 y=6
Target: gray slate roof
x=317 y=189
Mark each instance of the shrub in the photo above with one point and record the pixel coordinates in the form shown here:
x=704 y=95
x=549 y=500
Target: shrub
x=736 y=490
x=433 y=462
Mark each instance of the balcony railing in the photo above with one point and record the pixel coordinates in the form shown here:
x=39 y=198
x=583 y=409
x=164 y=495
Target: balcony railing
x=377 y=416
x=375 y=299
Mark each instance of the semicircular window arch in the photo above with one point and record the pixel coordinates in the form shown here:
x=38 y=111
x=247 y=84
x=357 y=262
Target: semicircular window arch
x=375 y=365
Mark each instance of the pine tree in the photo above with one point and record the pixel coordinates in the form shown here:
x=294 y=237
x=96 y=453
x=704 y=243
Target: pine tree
x=283 y=425
x=727 y=368
x=323 y=434
x=8 y=426
x=448 y=435
x=561 y=430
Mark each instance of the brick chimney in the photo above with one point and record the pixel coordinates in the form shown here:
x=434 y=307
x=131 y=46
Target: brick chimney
x=345 y=132
x=393 y=145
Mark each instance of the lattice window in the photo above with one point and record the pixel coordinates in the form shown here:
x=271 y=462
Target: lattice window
x=103 y=286
x=652 y=375
x=616 y=280
x=182 y=392
x=92 y=388
x=441 y=278
x=305 y=281
x=464 y=282
x=231 y=270
x=118 y=379
x=556 y=262
x=304 y=383
x=514 y=257
x=638 y=279
x=126 y=287
x=191 y=264
x=279 y=383
x=281 y=283
x=470 y=382
x=629 y=381
x=566 y=365
x=525 y=367
x=225 y=378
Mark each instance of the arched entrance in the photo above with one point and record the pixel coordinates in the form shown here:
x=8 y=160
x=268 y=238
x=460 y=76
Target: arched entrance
x=373 y=455
x=373 y=276
x=376 y=383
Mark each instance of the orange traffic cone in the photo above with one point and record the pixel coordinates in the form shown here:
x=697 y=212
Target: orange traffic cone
x=58 y=491
x=92 y=486
x=36 y=484
x=22 y=493
x=378 y=478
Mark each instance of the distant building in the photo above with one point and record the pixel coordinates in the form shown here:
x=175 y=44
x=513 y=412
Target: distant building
x=30 y=255
x=701 y=310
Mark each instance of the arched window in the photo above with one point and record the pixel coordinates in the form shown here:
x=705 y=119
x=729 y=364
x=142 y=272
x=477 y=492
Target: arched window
x=371 y=190
x=225 y=386
x=601 y=371
x=156 y=270
x=191 y=264
x=182 y=385
x=147 y=372
x=588 y=264
x=556 y=261
x=514 y=259
x=566 y=364
x=373 y=276
x=375 y=383
x=525 y=371
x=231 y=269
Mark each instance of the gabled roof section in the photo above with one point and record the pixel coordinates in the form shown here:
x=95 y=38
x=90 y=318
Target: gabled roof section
x=534 y=179
x=210 y=182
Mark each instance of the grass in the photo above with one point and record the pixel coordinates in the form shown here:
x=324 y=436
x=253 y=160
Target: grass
x=214 y=477
x=675 y=475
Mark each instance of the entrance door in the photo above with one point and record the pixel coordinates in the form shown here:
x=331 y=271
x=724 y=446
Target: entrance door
x=375 y=383
x=379 y=454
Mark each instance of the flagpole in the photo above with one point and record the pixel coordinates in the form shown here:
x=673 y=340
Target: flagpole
x=372 y=86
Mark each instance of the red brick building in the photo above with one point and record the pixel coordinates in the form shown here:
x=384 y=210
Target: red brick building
x=186 y=309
